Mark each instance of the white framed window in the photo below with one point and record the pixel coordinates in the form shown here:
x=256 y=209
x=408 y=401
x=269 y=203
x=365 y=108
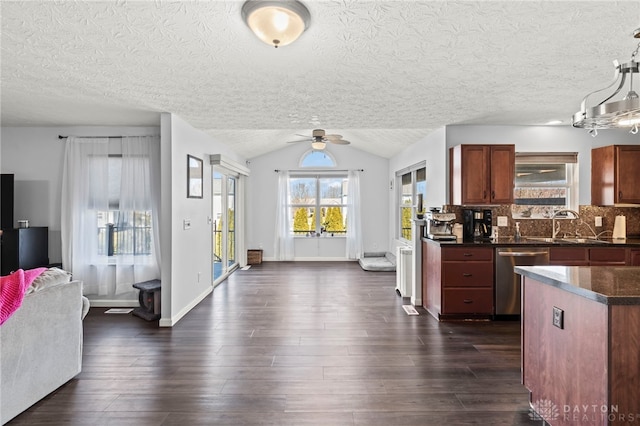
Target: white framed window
x=411 y=182
x=317 y=159
x=318 y=204
x=122 y=231
x=544 y=183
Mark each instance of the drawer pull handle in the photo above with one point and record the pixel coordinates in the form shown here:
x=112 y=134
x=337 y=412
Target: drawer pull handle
x=468 y=301
x=466 y=274
x=467 y=254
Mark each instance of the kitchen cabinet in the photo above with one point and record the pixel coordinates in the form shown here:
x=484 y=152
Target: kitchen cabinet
x=458 y=281
x=634 y=257
x=481 y=174
x=569 y=256
x=607 y=256
x=615 y=175
x=584 y=256
x=590 y=353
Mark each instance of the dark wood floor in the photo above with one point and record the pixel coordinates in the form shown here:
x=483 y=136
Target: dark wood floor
x=296 y=344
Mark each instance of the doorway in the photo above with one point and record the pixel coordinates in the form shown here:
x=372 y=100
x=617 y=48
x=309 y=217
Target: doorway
x=225 y=259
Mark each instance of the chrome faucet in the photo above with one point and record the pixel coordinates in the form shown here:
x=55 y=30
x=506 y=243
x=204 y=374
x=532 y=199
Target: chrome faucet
x=555 y=229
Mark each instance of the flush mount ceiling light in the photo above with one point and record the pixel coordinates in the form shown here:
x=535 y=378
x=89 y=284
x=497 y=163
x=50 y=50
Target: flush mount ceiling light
x=615 y=110
x=277 y=23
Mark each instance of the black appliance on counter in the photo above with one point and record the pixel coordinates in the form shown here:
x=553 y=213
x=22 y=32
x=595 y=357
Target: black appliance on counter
x=476 y=225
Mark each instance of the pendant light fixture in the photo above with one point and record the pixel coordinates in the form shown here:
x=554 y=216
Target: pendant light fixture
x=277 y=23
x=615 y=110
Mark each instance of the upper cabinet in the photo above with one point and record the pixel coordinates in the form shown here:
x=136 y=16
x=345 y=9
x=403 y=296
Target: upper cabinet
x=615 y=175
x=481 y=174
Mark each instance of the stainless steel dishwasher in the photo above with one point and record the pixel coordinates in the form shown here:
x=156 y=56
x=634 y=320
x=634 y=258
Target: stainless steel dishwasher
x=507 y=293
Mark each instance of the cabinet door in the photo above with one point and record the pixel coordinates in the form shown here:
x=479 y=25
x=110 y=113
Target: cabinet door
x=628 y=174
x=634 y=257
x=503 y=159
x=469 y=174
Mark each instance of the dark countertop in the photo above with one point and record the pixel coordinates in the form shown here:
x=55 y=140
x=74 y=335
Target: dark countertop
x=525 y=241
x=609 y=285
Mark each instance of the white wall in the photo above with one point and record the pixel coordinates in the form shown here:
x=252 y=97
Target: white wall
x=542 y=139
x=186 y=254
x=35 y=156
x=262 y=196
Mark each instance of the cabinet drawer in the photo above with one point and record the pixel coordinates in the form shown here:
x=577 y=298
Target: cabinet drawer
x=467 y=274
x=608 y=255
x=467 y=253
x=578 y=254
x=467 y=301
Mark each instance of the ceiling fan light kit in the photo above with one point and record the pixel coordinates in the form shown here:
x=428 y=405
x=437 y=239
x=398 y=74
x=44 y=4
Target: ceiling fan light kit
x=319 y=139
x=613 y=111
x=277 y=23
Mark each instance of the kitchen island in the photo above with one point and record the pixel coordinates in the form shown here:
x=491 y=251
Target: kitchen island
x=581 y=343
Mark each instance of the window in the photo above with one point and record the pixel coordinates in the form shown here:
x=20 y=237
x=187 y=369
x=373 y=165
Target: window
x=122 y=232
x=545 y=183
x=318 y=204
x=317 y=159
x=412 y=184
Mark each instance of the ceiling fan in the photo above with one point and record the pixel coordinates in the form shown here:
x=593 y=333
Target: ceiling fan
x=319 y=139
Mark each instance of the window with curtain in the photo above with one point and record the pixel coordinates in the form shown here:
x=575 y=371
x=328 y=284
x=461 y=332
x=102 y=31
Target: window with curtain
x=545 y=183
x=411 y=183
x=318 y=204
x=123 y=232
x=110 y=206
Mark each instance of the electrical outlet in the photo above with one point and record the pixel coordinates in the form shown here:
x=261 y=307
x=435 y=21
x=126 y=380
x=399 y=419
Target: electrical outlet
x=186 y=224
x=558 y=318
x=598 y=221
x=503 y=221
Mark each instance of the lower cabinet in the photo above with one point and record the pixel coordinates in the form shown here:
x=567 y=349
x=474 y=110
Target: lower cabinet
x=587 y=366
x=591 y=256
x=458 y=281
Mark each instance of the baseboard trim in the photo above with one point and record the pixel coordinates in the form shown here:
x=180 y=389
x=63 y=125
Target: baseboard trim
x=170 y=322
x=311 y=259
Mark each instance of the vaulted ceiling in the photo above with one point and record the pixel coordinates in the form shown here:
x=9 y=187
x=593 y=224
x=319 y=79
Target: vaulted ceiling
x=381 y=73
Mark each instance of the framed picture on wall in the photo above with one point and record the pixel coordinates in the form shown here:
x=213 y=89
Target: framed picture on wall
x=194 y=177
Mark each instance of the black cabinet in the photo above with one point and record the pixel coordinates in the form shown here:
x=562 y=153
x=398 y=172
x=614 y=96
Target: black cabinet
x=6 y=201
x=24 y=248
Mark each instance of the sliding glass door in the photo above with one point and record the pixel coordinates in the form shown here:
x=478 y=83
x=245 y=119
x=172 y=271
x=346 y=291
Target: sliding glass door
x=224 y=219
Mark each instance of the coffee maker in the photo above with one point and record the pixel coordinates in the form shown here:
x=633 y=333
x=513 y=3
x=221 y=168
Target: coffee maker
x=476 y=225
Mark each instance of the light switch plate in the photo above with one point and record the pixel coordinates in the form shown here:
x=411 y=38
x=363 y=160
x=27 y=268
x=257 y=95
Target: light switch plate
x=558 y=318
x=186 y=224
x=503 y=221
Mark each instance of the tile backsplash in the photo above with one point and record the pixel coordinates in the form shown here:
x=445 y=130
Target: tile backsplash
x=542 y=227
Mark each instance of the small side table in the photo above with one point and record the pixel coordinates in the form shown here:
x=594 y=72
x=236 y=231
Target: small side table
x=149 y=300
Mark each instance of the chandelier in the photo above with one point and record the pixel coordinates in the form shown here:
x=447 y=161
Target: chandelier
x=615 y=110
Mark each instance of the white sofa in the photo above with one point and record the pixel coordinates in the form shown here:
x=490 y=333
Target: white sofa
x=41 y=344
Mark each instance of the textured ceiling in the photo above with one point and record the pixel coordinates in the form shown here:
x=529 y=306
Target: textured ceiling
x=383 y=74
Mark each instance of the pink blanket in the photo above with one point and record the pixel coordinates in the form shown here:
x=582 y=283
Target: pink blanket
x=12 y=289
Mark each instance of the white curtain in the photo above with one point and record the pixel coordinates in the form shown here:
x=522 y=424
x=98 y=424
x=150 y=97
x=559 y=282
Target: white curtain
x=284 y=238
x=90 y=189
x=354 y=219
